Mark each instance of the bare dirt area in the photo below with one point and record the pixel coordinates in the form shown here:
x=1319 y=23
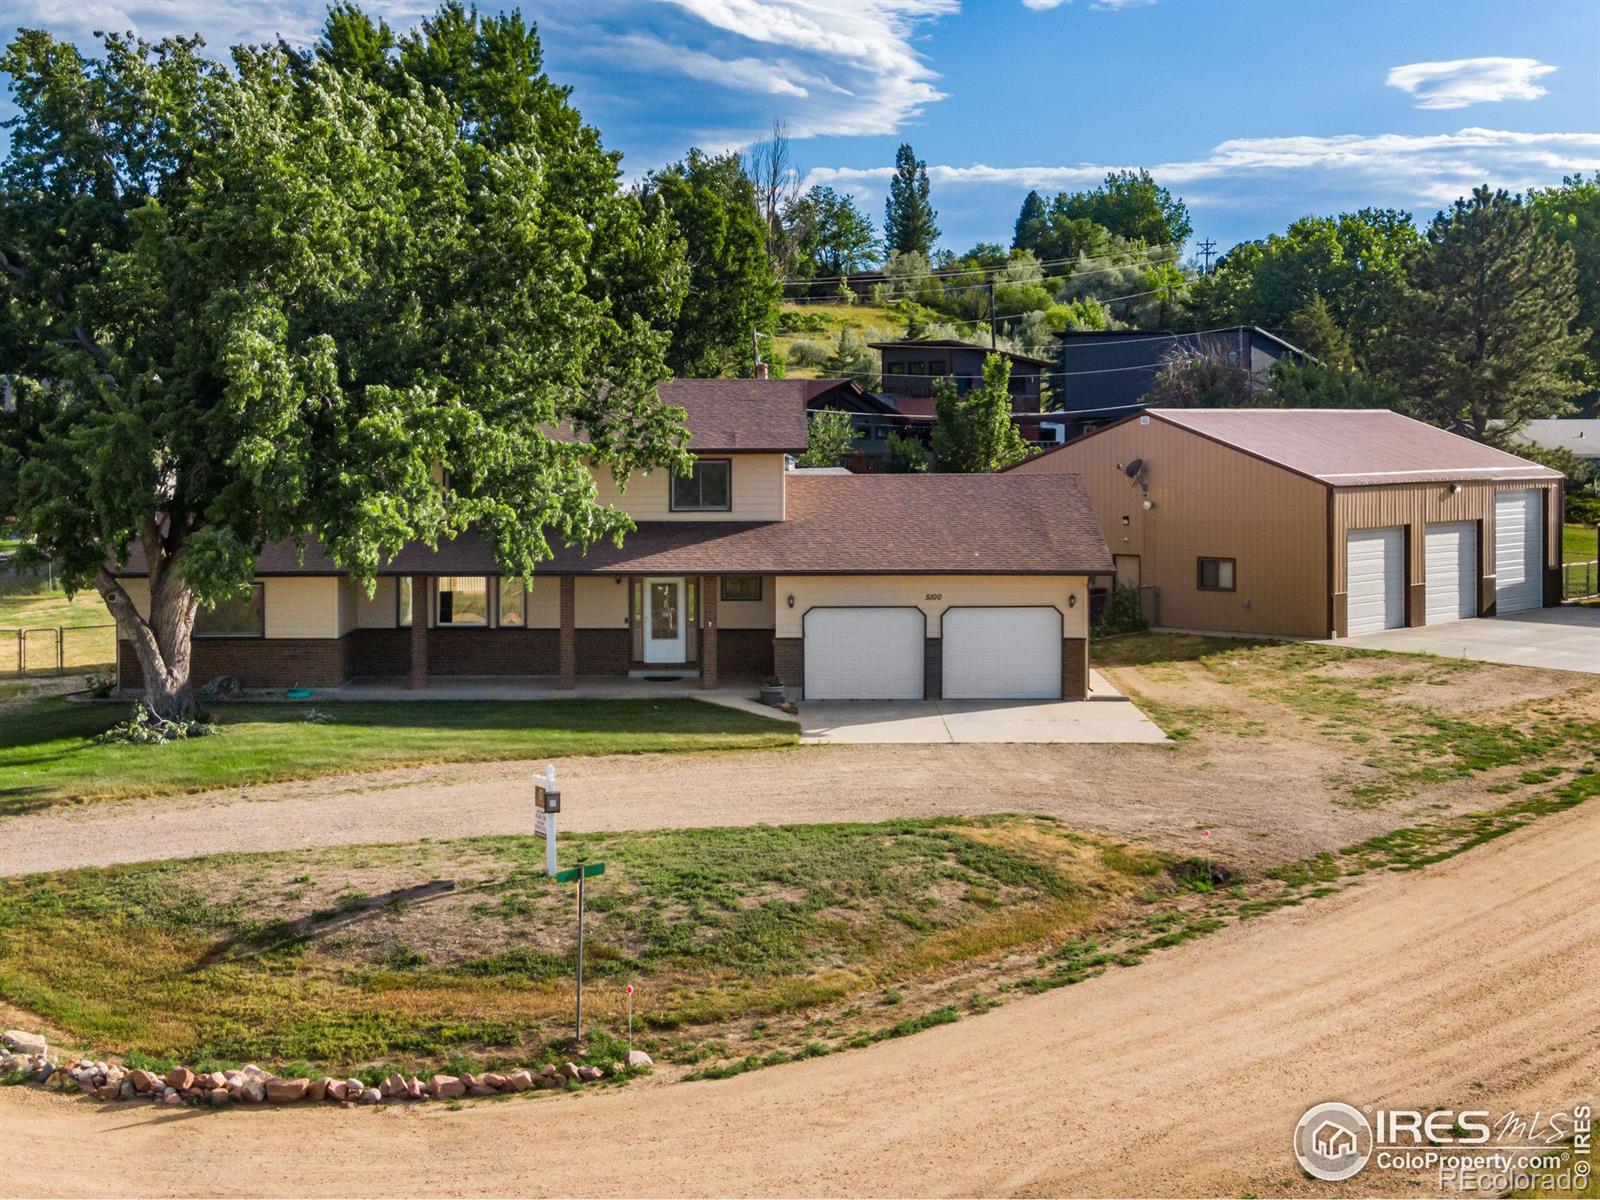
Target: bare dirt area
x=1283 y=752
x=1471 y=983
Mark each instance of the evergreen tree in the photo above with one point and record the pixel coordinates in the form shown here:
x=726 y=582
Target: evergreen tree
x=1030 y=223
x=974 y=433
x=1314 y=329
x=1485 y=338
x=909 y=221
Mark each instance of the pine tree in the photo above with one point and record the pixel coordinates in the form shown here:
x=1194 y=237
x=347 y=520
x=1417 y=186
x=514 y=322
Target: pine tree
x=908 y=217
x=1485 y=338
x=1031 y=221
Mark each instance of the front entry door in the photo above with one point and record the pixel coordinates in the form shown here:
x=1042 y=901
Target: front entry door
x=664 y=635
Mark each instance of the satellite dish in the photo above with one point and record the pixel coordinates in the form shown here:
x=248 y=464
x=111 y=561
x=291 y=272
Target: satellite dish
x=1133 y=469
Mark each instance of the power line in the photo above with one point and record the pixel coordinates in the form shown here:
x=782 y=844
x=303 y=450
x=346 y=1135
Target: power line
x=946 y=271
x=818 y=301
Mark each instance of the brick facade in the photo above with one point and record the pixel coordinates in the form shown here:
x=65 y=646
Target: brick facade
x=789 y=663
x=1074 y=668
x=744 y=653
x=256 y=662
x=568 y=665
x=710 y=661
x=933 y=668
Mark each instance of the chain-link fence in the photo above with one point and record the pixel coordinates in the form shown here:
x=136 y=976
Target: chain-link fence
x=1580 y=580
x=58 y=650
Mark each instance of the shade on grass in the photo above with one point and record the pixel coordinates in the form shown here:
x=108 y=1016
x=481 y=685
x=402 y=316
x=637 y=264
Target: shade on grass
x=48 y=754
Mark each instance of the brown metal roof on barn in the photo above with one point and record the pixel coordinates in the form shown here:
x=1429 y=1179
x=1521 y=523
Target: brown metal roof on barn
x=1353 y=447
x=837 y=524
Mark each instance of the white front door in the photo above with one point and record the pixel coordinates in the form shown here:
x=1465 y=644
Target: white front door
x=664 y=636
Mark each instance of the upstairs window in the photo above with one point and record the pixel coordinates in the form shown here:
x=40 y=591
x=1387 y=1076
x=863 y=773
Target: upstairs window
x=708 y=489
x=243 y=615
x=463 y=600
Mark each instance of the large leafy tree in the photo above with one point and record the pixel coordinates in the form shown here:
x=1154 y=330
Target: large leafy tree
x=974 y=433
x=910 y=224
x=834 y=237
x=1571 y=213
x=1132 y=205
x=312 y=298
x=1484 y=336
x=732 y=287
x=1354 y=263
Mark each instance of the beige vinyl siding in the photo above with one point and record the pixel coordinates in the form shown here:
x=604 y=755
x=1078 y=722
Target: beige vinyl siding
x=749 y=614
x=757 y=492
x=1208 y=501
x=378 y=611
x=307 y=607
x=932 y=594
x=139 y=593
x=1417 y=505
x=602 y=601
x=544 y=601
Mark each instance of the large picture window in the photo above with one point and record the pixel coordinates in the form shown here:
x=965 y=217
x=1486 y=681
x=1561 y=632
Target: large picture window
x=708 y=489
x=513 y=603
x=243 y=615
x=463 y=600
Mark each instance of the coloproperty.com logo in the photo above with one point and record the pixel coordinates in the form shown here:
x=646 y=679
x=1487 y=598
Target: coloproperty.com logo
x=1469 y=1150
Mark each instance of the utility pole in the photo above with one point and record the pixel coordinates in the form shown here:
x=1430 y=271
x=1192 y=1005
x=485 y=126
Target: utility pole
x=1206 y=247
x=991 y=312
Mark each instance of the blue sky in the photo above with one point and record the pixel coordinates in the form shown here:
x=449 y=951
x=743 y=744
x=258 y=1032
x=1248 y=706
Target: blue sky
x=1255 y=111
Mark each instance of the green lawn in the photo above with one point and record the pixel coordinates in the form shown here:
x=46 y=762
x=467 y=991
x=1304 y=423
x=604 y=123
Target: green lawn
x=29 y=603
x=48 y=754
x=1578 y=543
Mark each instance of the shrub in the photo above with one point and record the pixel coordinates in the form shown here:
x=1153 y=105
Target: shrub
x=1583 y=510
x=1123 y=613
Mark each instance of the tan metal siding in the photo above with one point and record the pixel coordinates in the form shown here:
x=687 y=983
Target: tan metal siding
x=1208 y=500
x=1421 y=504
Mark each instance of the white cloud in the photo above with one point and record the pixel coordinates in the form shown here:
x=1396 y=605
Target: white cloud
x=1464 y=81
x=644 y=52
x=221 y=24
x=1042 y=5
x=864 y=78
x=1431 y=168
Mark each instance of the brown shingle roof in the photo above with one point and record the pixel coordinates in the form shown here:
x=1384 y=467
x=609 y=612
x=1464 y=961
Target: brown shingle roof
x=1354 y=447
x=745 y=414
x=837 y=524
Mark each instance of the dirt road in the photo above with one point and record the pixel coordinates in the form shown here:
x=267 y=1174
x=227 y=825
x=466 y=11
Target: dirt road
x=1474 y=982
x=1130 y=791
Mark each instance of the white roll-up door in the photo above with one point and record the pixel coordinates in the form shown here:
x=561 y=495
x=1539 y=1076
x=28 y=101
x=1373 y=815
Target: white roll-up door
x=864 y=653
x=1518 y=550
x=1375 y=575
x=1002 y=653
x=1451 y=566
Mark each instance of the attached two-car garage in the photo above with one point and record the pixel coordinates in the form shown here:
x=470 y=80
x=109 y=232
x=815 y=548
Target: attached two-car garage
x=982 y=653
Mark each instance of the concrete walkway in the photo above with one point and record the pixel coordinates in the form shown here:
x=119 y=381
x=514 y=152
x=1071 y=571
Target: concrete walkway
x=1106 y=717
x=1563 y=639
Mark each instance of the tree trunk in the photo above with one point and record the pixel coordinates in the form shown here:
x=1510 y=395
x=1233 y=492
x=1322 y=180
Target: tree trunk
x=161 y=641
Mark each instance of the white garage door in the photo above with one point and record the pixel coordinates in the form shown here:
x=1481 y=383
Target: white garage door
x=1002 y=654
x=1451 y=564
x=1375 y=571
x=864 y=653
x=1518 y=551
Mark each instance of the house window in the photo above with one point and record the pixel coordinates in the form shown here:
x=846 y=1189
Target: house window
x=1216 y=575
x=243 y=615
x=463 y=600
x=402 y=601
x=741 y=587
x=916 y=368
x=513 y=603
x=936 y=367
x=708 y=489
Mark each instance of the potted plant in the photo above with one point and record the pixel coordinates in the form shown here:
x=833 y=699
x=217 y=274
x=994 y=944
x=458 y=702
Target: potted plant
x=772 y=691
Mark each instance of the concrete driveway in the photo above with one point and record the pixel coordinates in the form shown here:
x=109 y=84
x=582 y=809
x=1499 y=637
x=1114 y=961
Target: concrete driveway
x=1106 y=717
x=1563 y=639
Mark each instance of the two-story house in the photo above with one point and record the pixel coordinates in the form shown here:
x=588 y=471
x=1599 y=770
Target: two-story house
x=911 y=368
x=841 y=585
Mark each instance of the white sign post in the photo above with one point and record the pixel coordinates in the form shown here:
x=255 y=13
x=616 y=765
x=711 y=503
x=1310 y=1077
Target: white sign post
x=546 y=804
